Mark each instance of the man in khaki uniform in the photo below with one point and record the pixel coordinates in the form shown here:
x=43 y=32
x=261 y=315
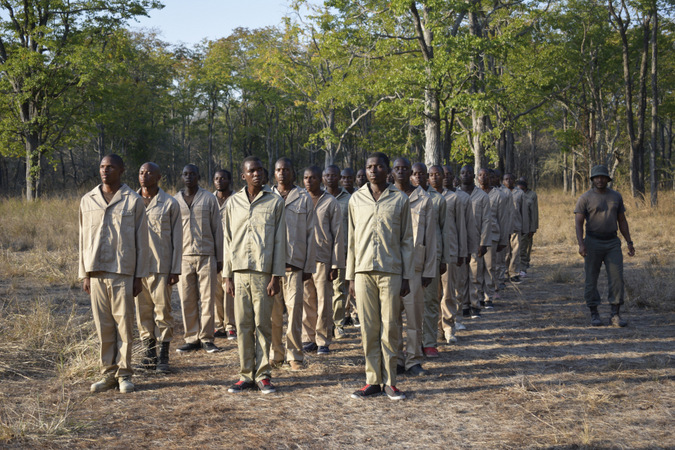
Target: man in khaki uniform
x=347 y=180
x=361 y=178
x=500 y=262
x=498 y=208
x=224 y=320
x=113 y=260
x=331 y=181
x=425 y=261
x=300 y=265
x=529 y=228
x=479 y=240
x=317 y=319
x=153 y=304
x=379 y=267
x=202 y=260
x=455 y=280
x=520 y=217
x=255 y=260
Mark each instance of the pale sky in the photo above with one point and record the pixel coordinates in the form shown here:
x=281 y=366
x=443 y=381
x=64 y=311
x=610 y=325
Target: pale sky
x=190 y=21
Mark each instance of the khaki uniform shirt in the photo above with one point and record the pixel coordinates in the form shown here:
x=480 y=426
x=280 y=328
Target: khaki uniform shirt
x=330 y=244
x=424 y=228
x=380 y=233
x=440 y=210
x=166 y=234
x=521 y=213
x=530 y=197
x=202 y=229
x=255 y=234
x=480 y=231
x=114 y=236
x=499 y=205
x=510 y=211
x=300 y=221
x=343 y=200
x=455 y=238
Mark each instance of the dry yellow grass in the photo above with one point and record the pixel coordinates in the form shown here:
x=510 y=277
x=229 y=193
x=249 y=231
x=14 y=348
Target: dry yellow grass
x=531 y=374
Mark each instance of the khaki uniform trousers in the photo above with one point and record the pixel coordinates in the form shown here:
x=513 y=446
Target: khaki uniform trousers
x=413 y=305
x=455 y=289
x=224 y=320
x=490 y=281
x=198 y=283
x=153 y=308
x=477 y=272
x=339 y=297
x=431 y=311
x=317 y=318
x=525 y=250
x=500 y=266
x=291 y=296
x=253 y=318
x=378 y=299
x=350 y=305
x=513 y=255
x=112 y=304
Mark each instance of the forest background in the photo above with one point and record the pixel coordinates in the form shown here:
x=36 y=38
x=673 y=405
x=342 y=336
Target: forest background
x=542 y=89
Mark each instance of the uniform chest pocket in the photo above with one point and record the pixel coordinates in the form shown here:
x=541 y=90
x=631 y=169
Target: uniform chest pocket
x=123 y=219
x=202 y=215
x=262 y=218
x=296 y=215
x=93 y=218
x=156 y=222
x=389 y=216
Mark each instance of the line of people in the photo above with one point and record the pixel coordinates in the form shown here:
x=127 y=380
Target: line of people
x=423 y=245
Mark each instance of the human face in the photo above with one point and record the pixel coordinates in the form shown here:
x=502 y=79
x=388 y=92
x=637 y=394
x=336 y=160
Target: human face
x=600 y=182
x=347 y=179
x=436 y=178
x=483 y=178
x=331 y=178
x=509 y=181
x=110 y=172
x=467 y=176
x=402 y=171
x=376 y=171
x=361 y=178
x=221 y=181
x=148 y=176
x=190 y=177
x=419 y=175
x=253 y=174
x=447 y=177
x=284 y=173
x=311 y=181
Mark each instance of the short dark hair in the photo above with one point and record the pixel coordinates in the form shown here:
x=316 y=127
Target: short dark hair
x=192 y=166
x=314 y=169
x=380 y=155
x=116 y=159
x=468 y=166
x=332 y=166
x=249 y=158
x=225 y=171
x=349 y=171
x=286 y=160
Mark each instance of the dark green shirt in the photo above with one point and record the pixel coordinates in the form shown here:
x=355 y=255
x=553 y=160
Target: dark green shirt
x=600 y=210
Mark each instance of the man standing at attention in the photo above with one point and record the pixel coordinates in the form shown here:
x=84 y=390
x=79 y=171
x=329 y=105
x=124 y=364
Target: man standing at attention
x=153 y=304
x=603 y=211
x=202 y=260
x=222 y=180
x=300 y=265
x=347 y=179
x=379 y=267
x=520 y=217
x=530 y=198
x=361 y=178
x=331 y=180
x=317 y=319
x=255 y=260
x=425 y=262
x=113 y=260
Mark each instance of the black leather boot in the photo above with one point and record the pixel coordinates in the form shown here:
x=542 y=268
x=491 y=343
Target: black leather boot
x=615 y=320
x=595 y=317
x=163 y=364
x=149 y=361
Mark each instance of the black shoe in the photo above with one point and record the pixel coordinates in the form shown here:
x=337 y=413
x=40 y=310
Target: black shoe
x=347 y=321
x=189 y=347
x=163 y=363
x=489 y=305
x=595 y=317
x=241 y=386
x=466 y=312
x=400 y=369
x=220 y=334
x=323 y=350
x=417 y=371
x=475 y=313
x=369 y=390
x=210 y=347
x=482 y=303
x=393 y=393
x=266 y=386
x=615 y=320
x=357 y=322
x=149 y=361
x=515 y=280
x=309 y=347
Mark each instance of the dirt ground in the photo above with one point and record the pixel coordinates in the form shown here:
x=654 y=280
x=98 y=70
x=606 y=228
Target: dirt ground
x=532 y=373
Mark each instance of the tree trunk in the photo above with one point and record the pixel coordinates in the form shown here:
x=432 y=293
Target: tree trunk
x=565 y=174
x=574 y=174
x=32 y=167
x=432 y=128
x=655 y=110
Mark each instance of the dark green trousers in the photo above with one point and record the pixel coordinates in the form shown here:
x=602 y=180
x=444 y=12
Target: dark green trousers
x=600 y=251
